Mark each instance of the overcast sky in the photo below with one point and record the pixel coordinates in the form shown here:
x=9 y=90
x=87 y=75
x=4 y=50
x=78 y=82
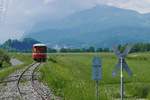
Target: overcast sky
x=18 y=16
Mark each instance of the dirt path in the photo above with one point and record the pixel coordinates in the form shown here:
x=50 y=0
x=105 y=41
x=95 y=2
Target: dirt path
x=15 y=62
x=9 y=90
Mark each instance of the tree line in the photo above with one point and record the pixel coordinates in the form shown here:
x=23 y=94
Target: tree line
x=79 y=50
x=138 y=47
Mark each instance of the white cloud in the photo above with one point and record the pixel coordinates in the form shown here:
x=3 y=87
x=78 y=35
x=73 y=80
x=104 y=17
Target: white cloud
x=142 y=6
x=48 y=1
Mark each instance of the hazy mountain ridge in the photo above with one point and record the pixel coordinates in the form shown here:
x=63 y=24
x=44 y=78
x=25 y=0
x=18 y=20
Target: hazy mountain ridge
x=101 y=26
x=19 y=45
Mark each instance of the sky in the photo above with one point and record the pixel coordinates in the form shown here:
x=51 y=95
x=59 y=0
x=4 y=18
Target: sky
x=19 y=16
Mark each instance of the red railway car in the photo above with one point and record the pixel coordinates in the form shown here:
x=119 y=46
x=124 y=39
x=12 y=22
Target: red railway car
x=39 y=52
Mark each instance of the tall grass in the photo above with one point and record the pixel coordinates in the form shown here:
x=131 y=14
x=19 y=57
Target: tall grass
x=69 y=76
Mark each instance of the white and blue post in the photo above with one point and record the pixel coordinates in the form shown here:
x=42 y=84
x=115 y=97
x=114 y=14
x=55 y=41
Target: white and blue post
x=121 y=80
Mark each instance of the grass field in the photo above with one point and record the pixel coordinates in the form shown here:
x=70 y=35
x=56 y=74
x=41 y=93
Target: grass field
x=70 y=76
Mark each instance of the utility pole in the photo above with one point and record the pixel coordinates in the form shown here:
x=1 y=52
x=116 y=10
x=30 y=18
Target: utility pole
x=121 y=80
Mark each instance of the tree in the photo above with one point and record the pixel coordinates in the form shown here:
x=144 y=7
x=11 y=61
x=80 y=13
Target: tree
x=50 y=50
x=91 y=49
x=106 y=50
x=63 y=50
x=4 y=57
x=99 y=50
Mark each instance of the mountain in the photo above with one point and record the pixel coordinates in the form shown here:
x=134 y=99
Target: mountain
x=101 y=26
x=16 y=45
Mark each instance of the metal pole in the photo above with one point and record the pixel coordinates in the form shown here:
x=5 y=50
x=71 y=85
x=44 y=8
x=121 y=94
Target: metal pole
x=97 y=90
x=121 y=80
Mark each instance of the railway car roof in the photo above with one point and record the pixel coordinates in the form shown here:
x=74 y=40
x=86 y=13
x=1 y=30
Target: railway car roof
x=39 y=44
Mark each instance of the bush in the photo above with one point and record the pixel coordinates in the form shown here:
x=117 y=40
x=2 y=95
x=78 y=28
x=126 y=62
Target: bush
x=4 y=57
x=142 y=91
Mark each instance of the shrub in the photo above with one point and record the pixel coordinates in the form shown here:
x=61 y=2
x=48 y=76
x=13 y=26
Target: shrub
x=141 y=91
x=4 y=57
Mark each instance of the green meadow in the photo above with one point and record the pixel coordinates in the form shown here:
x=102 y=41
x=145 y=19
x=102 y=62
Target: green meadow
x=70 y=76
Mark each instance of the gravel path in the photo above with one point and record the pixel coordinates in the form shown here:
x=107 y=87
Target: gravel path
x=15 y=62
x=9 y=90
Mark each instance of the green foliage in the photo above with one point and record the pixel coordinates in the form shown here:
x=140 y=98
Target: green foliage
x=4 y=57
x=91 y=49
x=141 y=47
x=79 y=50
x=138 y=47
x=51 y=50
x=141 y=91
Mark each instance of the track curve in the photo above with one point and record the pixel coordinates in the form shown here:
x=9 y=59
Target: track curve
x=38 y=92
x=20 y=77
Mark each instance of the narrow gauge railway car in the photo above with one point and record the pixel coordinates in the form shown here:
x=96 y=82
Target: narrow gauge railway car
x=39 y=52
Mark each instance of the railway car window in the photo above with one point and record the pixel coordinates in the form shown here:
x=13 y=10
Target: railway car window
x=41 y=50
x=34 y=49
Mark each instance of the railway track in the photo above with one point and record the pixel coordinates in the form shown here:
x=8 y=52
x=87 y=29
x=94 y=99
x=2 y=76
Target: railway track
x=43 y=94
x=39 y=93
